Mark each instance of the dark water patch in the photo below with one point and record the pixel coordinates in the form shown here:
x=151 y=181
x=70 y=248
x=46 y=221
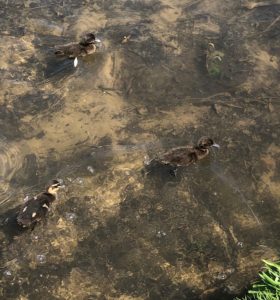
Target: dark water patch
x=35 y=103
x=9 y=123
x=143 y=6
x=28 y=174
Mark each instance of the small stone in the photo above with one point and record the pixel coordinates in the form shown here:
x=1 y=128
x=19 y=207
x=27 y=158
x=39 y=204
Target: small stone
x=70 y=216
x=7 y=273
x=240 y=244
x=79 y=180
x=35 y=238
x=142 y=110
x=160 y=234
x=41 y=258
x=221 y=276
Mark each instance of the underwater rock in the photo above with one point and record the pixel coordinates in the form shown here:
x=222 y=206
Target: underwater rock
x=41 y=258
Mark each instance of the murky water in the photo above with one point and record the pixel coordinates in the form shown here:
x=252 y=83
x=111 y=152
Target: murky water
x=115 y=233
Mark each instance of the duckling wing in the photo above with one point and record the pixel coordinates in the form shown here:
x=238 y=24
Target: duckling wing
x=33 y=210
x=70 y=50
x=181 y=156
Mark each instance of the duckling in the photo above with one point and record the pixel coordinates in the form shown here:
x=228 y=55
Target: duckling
x=214 y=61
x=37 y=208
x=184 y=156
x=87 y=45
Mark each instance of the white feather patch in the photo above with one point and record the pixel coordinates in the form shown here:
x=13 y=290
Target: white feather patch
x=75 y=62
x=24 y=209
x=46 y=206
x=34 y=215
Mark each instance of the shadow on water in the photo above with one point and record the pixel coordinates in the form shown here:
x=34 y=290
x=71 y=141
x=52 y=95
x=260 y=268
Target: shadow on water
x=116 y=232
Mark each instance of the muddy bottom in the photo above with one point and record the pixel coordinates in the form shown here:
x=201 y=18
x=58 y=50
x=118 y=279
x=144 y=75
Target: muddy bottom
x=169 y=73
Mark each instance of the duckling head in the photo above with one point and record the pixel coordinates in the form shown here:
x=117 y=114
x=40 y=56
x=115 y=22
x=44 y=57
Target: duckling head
x=89 y=38
x=206 y=143
x=54 y=187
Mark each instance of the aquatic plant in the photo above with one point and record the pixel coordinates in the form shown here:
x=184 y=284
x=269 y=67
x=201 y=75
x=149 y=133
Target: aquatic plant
x=268 y=287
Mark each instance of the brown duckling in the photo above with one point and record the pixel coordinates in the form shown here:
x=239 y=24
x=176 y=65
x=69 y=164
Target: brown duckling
x=184 y=156
x=88 y=45
x=37 y=207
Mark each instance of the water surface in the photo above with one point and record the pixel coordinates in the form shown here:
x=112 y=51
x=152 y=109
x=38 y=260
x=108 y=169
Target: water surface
x=115 y=233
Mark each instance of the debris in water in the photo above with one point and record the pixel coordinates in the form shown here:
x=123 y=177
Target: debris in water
x=161 y=234
x=79 y=180
x=70 y=216
x=90 y=169
x=252 y=5
x=125 y=39
x=35 y=238
x=240 y=244
x=26 y=198
x=221 y=276
x=7 y=273
x=75 y=62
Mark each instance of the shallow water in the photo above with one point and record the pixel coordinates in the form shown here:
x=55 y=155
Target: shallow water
x=114 y=232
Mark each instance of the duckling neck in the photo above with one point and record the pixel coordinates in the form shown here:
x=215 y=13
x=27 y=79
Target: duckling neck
x=201 y=151
x=51 y=195
x=83 y=44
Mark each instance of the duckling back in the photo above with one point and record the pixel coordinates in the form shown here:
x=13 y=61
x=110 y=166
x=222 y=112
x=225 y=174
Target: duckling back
x=87 y=45
x=70 y=50
x=34 y=209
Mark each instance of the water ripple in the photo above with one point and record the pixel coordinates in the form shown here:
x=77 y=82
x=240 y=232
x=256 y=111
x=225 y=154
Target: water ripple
x=10 y=162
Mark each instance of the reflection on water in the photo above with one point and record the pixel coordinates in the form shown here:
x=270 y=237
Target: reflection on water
x=116 y=232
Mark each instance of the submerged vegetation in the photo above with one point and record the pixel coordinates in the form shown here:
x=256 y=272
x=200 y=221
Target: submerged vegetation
x=268 y=288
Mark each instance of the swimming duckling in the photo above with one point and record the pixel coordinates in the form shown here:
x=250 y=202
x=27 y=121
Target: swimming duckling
x=214 y=61
x=88 y=45
x=36 y=208
x=184 y=156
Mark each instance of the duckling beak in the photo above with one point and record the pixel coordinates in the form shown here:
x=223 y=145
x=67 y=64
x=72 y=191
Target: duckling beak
x=216 y=145
x=61 y=184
